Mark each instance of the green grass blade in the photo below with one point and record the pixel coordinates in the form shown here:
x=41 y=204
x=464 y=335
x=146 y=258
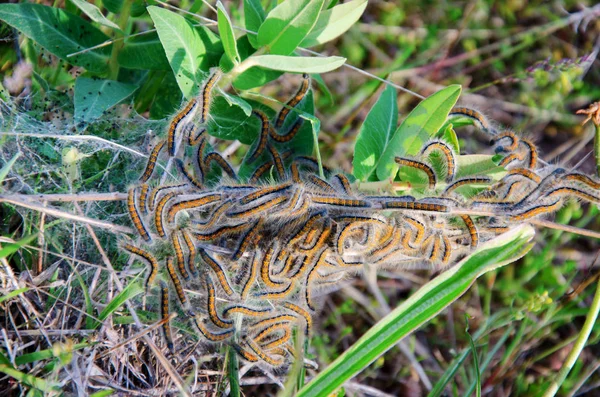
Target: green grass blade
x=233 y=372
x=132 y=290
x=7 y=167
x=431 y=299
x=475 y=361
x=12 y=294
x=45 y=354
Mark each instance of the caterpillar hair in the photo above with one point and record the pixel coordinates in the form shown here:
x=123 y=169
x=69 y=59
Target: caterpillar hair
x=277 y=161
x=215 y=215
x=535 y=211
x=572 y=191
x=220 y=232
x=254 y=265
x=135 y=216
x=217 y=158
x=206 y=93
x=342 y=181
x=340 y=202
x=447 y=152
x=218 y=270
x=309 y=278
x=418 y=226
x=294 y=200
x=143 y=198
x=467 y=181
x=294 y=101
x=532 y=153
x=277 y=341
x=358 y=218
x=179 y=256
x=195 y=134
x=388 y=246
x=245 y=310
x=468 y=221
x=211 y=303
x=478 y=119
x=260 y=171
x=249 y=238
x=192 y=204
x=261 y=354
x=166 y=327
x=288 y=136
x=280 y=294
x=212 y=336
x=149 y=258
x=180 y=123
x=257 y=209
x=265 y=270
x=258 y=194
x=514 y=186
x=178 y=287
x=263 y=137
x=190 y=178
x=509 y=135
x=321 y=235
x=158 y=214
x=321 y=184
x=524 y=172
x=420 y=166
x=581 y=178
x=152 y=162
x=311 y=163
x=519 y=156
x=306 y=315
x=191 y=252
x=158 y=190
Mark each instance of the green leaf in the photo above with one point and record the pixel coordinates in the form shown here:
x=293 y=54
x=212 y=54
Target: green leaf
x=190 y=50
x=30 y=380
x=103 y=393
x=226 y=33
x=375 y=134
x=419 y=126
x=11 y=248
x=95 y=15
x=44 y=354
x=60 y=33
x=113 y=6
x=239 y=102
x=8 y=166
x=478 y=164
x=255 y=77
x=144 y=52
x=419 y=308
x=449 y=135
x=288 y=24
x=12 y=294
x=334 y=22
x=94 y=96
x=296 y=64
x=231 y=122
x=254 y=16
x=132 y=290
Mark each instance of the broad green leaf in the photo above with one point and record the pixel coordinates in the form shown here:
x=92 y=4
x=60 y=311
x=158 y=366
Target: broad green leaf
x=244 y=49
x=254 y=16
x=419 y=308
x=296 y=64
x=8 y=166
x=94 y=13
x=334 y=22
x=94 y=96
x=239 y=102
x=288 y=24
x=60 y=33
x=226 y=33
x=255 y=77
x=448 y=135
x=478 y=164
x=113 y=6
x=231 y=122
x=144 y=52
x=190 y=50
x=420 y=125
x=132 y=290
x=375 y=134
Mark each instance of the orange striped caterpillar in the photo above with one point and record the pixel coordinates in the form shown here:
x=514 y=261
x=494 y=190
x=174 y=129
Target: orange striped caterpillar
x=294 y=101
x=514 y=141
x=261 y=354
x=571 y=191
x=190 y=178
x=344 y=183
x=263 y=137
x=288 y=136
x=252 y=276
x=191 y=252
x=257 y=209
x=152 y=162
x=434 y=255
x=265 y=270
x=220 y=232
x=158 y=214
x=340 y=202
x=388 y=246
x=583 y=179
x=417 y=206
x=196 y=203
x=178 y=287
x=213 y=336
x=212 y=305
x=311 y=163
x=157 y=190
x=264 y=192
x=311 y=274
x=295 y=173
x=260 y=171
x=206 y=92
x=277 y=161
x=246 y=355
x=524 y=172
x=535 y=211
x=281 y=294
x=533 y=154
x=251 y=236
x=166 y=327
x=275 y=342
x=420 y=166
x=448 y=153
x=308 y=225
x=467 y=181
x=150 y=259
x=215 y=216
x=510 y=158
x=177 y=124
x=323 y=185
x=221 y=162
x=323 y=234
x=145 y=188
x=245 y=310
x=478 y=119
x=179 y=256
x=447 y=253
x=419 y=227
x=135 y=216
x=468 y=221
x=218 y=269
x=298 y=310
x=195 y=134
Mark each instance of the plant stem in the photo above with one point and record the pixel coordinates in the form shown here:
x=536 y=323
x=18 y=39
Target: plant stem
x=117 y=46
x=597 y=148
x=590 y=320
